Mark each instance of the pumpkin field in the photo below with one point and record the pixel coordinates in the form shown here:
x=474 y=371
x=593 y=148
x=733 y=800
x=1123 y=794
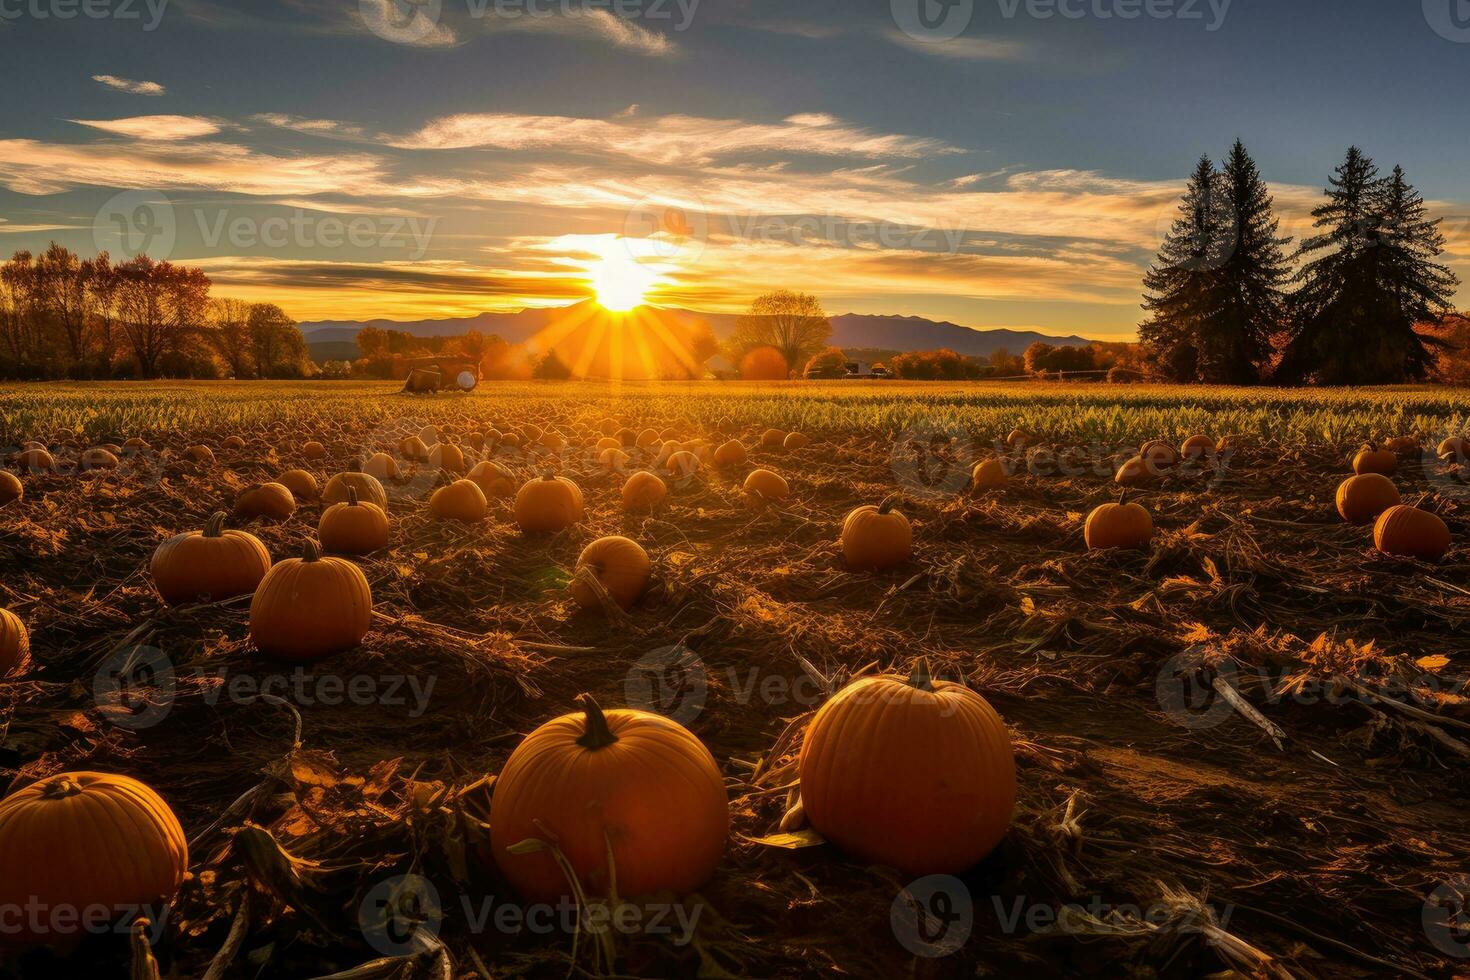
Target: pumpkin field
x=309 y=679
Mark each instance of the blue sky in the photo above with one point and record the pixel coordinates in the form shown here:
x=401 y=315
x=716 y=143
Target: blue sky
x=357 y=159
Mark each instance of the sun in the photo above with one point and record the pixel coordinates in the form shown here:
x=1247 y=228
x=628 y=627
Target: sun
x=621 y=282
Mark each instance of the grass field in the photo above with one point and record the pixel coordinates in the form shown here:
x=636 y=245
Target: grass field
x=1305 y=824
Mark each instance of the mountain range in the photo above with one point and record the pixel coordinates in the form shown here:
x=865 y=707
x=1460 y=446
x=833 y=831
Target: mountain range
x=336 y=339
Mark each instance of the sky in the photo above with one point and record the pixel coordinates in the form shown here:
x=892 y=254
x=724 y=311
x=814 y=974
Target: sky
x=996 y=163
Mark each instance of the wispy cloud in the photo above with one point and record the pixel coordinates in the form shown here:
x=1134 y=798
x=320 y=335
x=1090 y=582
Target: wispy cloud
x=155 y=127
x=598 y=25
x=962 y=48
x=129 y=85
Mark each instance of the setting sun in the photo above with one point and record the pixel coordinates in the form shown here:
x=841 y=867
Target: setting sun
x=621 y=282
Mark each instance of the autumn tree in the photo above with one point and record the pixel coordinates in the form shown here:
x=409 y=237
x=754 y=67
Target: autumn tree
x=159 y=304
x=793 y=323
x=231 y=335
x=830 y=363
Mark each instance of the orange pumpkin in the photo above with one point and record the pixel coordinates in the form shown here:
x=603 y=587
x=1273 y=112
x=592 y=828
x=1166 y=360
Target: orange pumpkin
x=1159 y=453
x=354 y=527
x=1019 y=438
x=35 y=460
x=989 y=474
x=1196 y=448
x=731 y=453
x=368 y=488
x=608 y=442
x=643 y=493
x=414 y=449
x=1370 y=460
x=97 y=458
x=763 y=487
x=625 y=793
x=547 y=504
x=683 y=464
x=1136 y=471
x=268 y=500
x=448 y=457
x=310 y=607
x=626 y=436
x=234 y=443
x=875 y=538
x=209 y=565
x=913 y=773
x=1409 y=532
x=1120 y=525
x=493 y=479
x=462 y=500
x=1403 y=445
x=619 y=564
x=303 y=485
x=381 y=466
x=313 y=450
x=1360 y=499
x=1455 y=449
x=11 y=489
x=552 y=441
x=795 y=441
x=202 y=455
x=15 y=645
x=612 y=459
x=429 y=435
x=773 y=439
x=647 y=439
x=82 y=840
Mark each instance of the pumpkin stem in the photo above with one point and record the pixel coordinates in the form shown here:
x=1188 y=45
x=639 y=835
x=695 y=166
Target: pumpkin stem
x=598 y=734
x=548 y=474
x=60 y=788
x=890 y=502
x=355 y=466
x=352 y=496
x=215 y=526
x=921 y=678
x=1123 y=497
x=311 y=552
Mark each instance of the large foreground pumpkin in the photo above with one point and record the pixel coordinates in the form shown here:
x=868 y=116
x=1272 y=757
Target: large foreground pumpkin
x=211 y=564
x=15 y=644
x=1411 y=533
x=81 y=840
x=914 y=773
x=311 y=607
x=630 y=785
x=1360 y=499
x=356 y=527
x=548 y=503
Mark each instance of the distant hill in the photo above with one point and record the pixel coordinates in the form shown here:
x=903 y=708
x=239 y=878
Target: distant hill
x=849 y=331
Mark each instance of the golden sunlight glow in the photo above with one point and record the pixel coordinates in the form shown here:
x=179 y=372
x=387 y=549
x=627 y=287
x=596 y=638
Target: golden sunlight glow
x=620 y=281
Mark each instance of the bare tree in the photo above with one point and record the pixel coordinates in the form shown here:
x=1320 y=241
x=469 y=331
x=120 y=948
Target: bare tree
x=102 y=283
x=63 y=294
x=160 y=305
x=20 y=312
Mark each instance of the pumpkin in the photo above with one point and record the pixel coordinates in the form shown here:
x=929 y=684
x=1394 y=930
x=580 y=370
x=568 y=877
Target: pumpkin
x=313 y=450
x=643 y=492
x=647 y=439
x=81 y=840
x=1019 y=438
x=234 y=443
x=15 y=645
x=381 y=466
x=619 y=564
x=511 y=439
x=310 y=607
x=626 y=436
x=414 y=449
x=269 y=500
x=1159 y=454
x=1370 y=460
x=1360 y=499
x=476 y=440
x=989 y=474
x=553 y=441
x=303 y=485
x=1135 y=471
x=448 y=457
x=493 y=479
x=97 y=459
x=913 y=773
x=608 y=442
x=462 y=500
x=1403 y=445
x=612 y=459
x=1196 y=448
x=1456 y=448
x=35 y=461
x=683 y=464
x=795 y=441
x=209 y=565
x=353 y=527
x=763 y=487
x=773 y=439
x=624 y=793
x=1409 y=532
x=531 y=434
x=547 y=504
x=368 y=488
x=731 y=453
x=669 y=433
x=136 y=442
x=1120 y=525
x=875 y=538
x=11 y=489
x=608 y=426
x=429 y=435
x=199 y=454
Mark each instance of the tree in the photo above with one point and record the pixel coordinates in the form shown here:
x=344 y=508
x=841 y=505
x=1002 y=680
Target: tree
x=62 y=293
x=793 y=323
x=1179 y=286
x=159 y=305
x=102 y=285
x=1366 y=281
x=550 y=368
x=232 y=337
x=830 y=363
x=20 y=314
x=1248 y=301
x=276 y=343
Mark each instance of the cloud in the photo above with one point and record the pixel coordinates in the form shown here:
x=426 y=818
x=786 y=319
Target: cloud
x=8 y=228
x=130 y=86
x=598 y=25
x=961 y=48
x=155 y=127
x=330 y=128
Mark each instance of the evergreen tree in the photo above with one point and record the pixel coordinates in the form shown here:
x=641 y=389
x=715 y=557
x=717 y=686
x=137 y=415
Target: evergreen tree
x=1368 y=278
x=1249 y=301
x=1179 y=287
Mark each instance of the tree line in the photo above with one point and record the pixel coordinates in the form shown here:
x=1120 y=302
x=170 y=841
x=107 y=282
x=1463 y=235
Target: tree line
x=62 y=316
x=1361 y=301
